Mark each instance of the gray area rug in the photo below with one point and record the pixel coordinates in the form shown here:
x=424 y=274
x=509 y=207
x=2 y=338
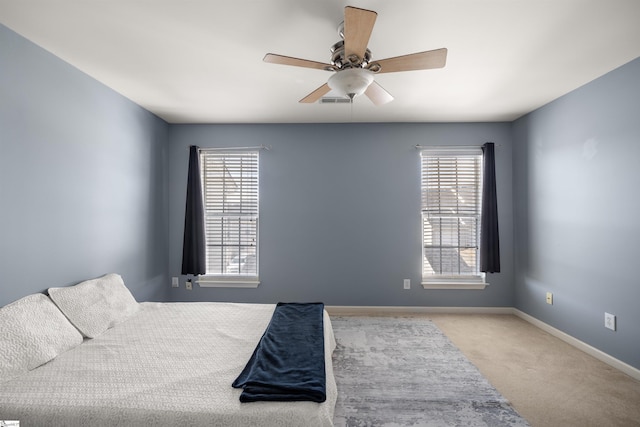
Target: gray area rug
x=396 y=372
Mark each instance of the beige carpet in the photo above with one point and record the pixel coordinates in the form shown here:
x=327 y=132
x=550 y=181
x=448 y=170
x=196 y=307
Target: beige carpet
x=549 y=382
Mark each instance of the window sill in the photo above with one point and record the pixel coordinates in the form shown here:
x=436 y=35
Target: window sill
x=224 y=282
x=453 y=285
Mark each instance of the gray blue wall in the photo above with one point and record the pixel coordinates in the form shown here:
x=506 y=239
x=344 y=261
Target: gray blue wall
x=340 y=211
x=82 y=179
x=577 y=181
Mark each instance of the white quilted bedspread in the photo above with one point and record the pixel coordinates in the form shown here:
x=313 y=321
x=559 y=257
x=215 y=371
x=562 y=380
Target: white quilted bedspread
x=170 y=364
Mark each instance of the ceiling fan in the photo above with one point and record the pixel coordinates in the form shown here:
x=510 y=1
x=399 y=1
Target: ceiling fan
x=352 y=63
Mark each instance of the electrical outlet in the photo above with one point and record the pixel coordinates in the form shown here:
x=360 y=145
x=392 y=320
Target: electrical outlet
x=175 y=282
x=407 y=283
x=610 y=321
x=549 y=298
x=189 y=285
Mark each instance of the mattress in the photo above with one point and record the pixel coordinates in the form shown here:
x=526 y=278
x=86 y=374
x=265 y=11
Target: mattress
x=169 y=364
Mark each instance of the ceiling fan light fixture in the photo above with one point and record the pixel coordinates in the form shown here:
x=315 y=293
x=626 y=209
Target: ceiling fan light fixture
x=351 y=82
x=352 y=65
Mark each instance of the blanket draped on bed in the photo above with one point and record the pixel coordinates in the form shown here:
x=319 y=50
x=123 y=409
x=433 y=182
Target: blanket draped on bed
x=288 y=363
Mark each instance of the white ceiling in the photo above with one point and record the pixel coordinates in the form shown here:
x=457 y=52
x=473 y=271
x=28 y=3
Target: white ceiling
x=200 y=61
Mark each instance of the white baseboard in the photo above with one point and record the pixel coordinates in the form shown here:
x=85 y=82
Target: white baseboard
x=356 y=310
x=342 y=310
x=580 y=345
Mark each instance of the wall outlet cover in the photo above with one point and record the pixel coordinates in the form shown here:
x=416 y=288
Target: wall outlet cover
x=610 y=321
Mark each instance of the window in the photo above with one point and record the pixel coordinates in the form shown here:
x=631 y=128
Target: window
x=451 y=207
x=230 y=196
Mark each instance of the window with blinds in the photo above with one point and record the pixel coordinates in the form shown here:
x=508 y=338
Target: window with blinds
x=451 y=197
x=230 y=192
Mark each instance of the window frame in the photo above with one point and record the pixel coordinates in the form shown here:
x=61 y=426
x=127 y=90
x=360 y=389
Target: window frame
x=476 y=280
x=222 y=279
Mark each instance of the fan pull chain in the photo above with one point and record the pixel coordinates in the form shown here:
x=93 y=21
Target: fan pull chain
x=351 y=103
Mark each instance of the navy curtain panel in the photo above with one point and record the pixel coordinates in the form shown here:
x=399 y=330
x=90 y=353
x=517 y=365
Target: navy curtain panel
x=193 y=248
x=489 y=241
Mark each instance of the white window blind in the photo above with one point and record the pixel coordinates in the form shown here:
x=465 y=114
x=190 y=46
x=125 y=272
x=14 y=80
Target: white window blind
x=451 y=207
x=230 y=187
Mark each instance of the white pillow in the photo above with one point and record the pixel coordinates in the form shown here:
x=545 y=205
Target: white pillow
x=95 y=305
x=32 y=332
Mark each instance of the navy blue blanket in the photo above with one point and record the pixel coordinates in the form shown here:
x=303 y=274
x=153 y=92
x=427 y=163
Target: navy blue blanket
x=288 y=362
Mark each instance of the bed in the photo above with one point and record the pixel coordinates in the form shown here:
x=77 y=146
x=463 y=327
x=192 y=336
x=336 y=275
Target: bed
x=140 y=364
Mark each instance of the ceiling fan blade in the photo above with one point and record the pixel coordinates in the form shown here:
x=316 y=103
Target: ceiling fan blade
x=377 y=94
x=316 y=94
x=358 y=25
x=415 y=61
x=296 y=62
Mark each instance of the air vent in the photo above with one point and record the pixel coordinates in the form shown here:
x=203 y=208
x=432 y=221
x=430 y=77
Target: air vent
x=334 y=100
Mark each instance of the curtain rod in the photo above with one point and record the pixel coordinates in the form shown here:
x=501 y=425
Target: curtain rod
x=444 y=147
x=258 y=147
